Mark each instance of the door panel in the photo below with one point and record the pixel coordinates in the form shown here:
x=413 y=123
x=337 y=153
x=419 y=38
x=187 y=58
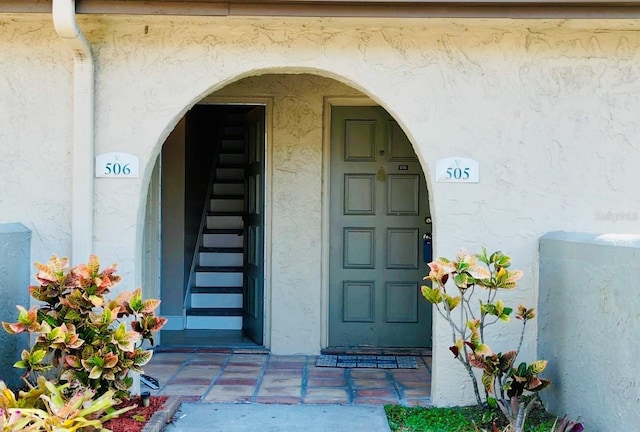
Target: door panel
x=253 y=283
x=379 y=204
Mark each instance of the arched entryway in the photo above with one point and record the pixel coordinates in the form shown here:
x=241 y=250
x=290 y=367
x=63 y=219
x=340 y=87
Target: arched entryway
x=310 y=289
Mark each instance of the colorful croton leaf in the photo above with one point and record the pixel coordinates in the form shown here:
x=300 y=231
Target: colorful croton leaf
x=27 y=321
x=91 y=340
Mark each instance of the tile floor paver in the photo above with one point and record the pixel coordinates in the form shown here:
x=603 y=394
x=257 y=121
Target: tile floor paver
x=326 y=382
x=228 y=377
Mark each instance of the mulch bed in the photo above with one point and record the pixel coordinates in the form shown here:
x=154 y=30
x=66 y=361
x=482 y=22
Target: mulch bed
x=127 y=421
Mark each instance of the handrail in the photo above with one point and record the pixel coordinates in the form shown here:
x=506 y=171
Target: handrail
x=203 y=220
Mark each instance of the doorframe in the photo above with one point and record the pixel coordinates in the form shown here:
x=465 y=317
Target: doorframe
x=329 y=102
x=267 y=102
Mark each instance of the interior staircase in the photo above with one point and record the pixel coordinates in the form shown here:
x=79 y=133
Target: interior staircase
x=214 y=292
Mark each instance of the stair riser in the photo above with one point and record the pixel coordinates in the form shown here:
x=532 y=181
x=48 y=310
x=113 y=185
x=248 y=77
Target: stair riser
x=228 y=188
x=218 y=279
x=230 y=173
x=222 y=222
x=220 y=259
x=200 y=300
x=226 y=205
x=214 y=323
x=232 y=146
x=222 y=240
x=231 y=158
x=235 y=131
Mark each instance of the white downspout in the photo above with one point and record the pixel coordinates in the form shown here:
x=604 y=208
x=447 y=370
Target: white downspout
x=64 y=21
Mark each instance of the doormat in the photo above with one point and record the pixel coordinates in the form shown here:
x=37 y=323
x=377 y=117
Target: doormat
x=367 y=361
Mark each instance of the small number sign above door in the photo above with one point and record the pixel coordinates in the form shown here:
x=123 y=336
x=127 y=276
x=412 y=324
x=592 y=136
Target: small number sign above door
x=457 y=170
x=117 y=164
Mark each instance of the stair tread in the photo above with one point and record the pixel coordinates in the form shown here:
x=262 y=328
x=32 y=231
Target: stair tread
x=214 y=312
x=232 y=151
x=219 y=269
x=223 y=231
x=225 y=213
x=217 y=290
x=204 y=249
x=227 y=196
x=229 y=181
x=230 y=166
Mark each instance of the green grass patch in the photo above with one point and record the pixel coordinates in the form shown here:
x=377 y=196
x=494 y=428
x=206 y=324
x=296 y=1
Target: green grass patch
x=458 y=419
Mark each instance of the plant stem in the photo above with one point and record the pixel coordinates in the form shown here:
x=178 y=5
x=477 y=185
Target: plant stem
x=474 y=381
x=524 y=325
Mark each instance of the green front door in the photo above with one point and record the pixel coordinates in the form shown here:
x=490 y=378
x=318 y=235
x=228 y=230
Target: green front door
x=379 y=206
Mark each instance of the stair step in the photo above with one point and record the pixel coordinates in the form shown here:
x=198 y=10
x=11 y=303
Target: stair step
x=225 y=238
x=232 y=145
x=216 y=300
x=236 y=231
x=226 y=204
x=219 y=277
x=228 y=188
x=237 y=118
x=224 y=221
x=236 y=131
x=219 y=269
x=217 y=290
x=214 y=319
x=214 y=312
x=227 y=196
x=220 y=259
x=225 y=213
x=229 y=158
x=234 y=150
x=220 y=250
x=230 y=181
x=228 y=173
x=232 y=166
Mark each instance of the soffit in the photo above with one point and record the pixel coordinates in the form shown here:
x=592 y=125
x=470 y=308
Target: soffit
x=342 y=8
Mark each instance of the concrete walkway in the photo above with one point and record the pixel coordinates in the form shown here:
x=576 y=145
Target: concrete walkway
x=235 y=391
x=200 y=417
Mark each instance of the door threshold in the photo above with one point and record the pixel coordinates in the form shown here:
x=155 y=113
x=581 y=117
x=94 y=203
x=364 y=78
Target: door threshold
x=215 y=350
x=367 y=350
x=209 y=340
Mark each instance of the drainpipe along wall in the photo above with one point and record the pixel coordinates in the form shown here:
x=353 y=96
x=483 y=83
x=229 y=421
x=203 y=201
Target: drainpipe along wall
x=64 y=20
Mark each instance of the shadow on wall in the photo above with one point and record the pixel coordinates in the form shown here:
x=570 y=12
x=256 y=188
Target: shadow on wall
x=589 y=318
x=15 y=265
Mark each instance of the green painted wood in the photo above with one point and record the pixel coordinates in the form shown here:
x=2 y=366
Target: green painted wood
x=379 y=203
x=253 y=278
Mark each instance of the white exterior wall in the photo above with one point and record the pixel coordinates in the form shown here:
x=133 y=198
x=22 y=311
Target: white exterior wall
x=548 y=108
x=597 y=275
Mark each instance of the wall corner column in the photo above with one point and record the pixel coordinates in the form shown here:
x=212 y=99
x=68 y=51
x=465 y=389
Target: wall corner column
x=64 y=20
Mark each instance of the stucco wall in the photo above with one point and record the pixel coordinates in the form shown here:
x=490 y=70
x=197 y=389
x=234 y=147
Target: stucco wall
x=588 y=323
x=548 y=108
x=15 y=242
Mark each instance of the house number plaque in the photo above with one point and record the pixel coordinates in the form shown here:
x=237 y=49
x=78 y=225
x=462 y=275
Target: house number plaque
x=118 y=165
x=457 y=170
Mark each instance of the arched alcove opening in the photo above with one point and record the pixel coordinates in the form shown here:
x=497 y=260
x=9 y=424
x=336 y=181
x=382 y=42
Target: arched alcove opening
x=312 y=226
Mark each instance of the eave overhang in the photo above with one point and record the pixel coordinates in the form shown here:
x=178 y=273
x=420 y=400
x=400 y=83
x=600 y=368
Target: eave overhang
x=527 y=9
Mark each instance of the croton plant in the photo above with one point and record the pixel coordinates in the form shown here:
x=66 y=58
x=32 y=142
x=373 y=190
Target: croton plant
x=504 y=380
x=80 y=335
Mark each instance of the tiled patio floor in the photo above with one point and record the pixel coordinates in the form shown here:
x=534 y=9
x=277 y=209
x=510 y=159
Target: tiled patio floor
x=264 y=378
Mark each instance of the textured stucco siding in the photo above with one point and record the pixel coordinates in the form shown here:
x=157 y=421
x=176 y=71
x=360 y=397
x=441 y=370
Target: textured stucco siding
x=589 y=322
x=548 y=108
